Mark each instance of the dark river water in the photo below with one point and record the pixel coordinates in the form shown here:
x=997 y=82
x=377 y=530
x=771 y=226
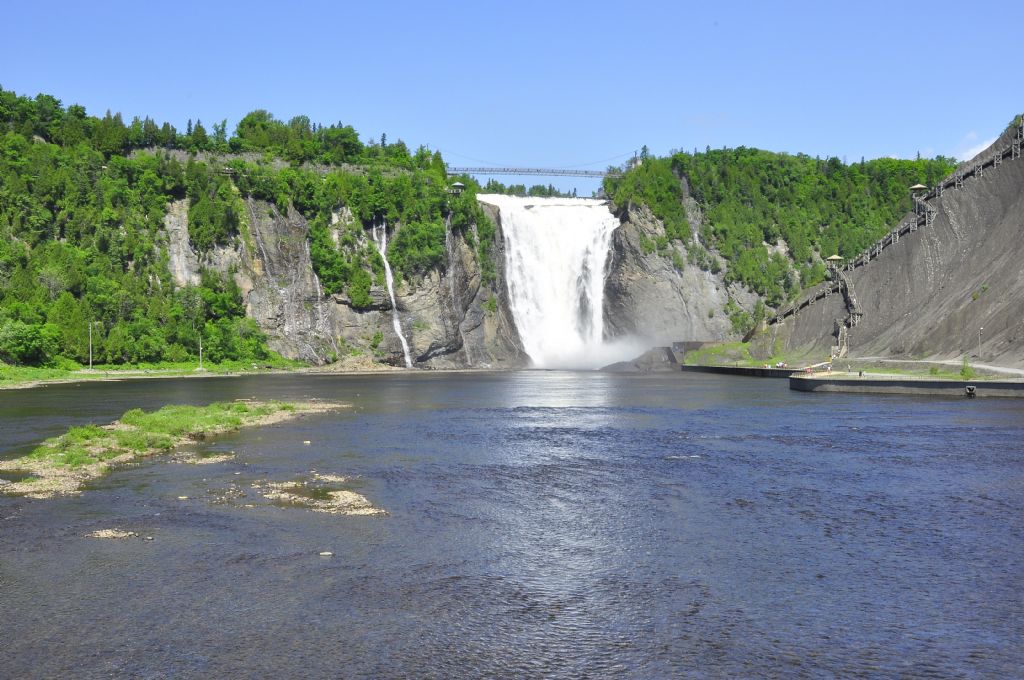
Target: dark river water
x=540 y=524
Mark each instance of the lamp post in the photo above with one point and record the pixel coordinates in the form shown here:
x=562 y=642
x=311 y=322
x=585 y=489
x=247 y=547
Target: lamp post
x=90 y=344
x=979 y=341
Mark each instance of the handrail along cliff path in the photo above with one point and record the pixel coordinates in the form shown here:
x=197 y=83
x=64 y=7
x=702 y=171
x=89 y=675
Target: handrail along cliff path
x=922 y=216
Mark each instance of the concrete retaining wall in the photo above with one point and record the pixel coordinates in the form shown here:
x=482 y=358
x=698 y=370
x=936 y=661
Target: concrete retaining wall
x=751 y=372
x=946 y=388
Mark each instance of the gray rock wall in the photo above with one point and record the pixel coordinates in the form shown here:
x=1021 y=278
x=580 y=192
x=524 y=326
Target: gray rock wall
x=927 y=295
x=182 y=261
x=647 y=297
x=445 y=314
x=450 y=321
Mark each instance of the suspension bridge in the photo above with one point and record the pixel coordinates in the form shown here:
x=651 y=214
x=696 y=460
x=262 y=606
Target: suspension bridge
x=551 y=172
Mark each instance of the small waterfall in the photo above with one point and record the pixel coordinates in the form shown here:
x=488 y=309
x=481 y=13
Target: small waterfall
x=556 y=258
x=380 y=237
x=322 y=327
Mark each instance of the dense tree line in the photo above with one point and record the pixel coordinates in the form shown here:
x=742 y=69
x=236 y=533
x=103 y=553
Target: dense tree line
x=752 y=198
x=493 y=186
x=81 y=245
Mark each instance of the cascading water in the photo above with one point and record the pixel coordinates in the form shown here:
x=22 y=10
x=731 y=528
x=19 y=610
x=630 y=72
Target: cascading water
x=380 y=237
x=556 y=259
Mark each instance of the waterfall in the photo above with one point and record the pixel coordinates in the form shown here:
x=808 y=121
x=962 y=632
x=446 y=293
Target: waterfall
x=556 y=262
x=323 y=329
x=380 y=237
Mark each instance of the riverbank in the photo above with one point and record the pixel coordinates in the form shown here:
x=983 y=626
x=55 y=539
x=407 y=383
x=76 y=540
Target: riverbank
x=60 y=465
x=20 y=378
x=23 y=377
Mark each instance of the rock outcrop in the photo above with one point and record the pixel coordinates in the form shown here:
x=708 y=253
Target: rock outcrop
x=455 y=318
x=281 y=291
x=450 y=316
x=655 y=360
x=649 y=296
x=181 y=259
x=930 y=294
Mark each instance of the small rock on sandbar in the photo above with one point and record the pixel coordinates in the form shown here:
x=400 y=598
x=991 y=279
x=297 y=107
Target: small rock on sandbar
x=334 y=479
x=111 y=533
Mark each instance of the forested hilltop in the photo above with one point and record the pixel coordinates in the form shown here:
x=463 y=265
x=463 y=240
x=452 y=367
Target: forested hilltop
x=82 y=205
x=772 y=217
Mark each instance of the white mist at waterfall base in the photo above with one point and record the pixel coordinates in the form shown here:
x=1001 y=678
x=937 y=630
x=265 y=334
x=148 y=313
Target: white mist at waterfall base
x=556 y=259
x=380 y=237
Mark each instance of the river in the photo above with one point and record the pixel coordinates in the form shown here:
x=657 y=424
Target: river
x=540 y=524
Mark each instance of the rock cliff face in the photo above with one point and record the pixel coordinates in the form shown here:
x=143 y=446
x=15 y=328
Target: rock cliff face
x=483 y=334
x=449 y=316
x=452 y=316
x=181 y=259
x=647 y=296
x=928 y=295
x=281 y=291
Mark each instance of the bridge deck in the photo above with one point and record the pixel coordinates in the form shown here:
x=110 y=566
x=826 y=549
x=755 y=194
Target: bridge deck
x=551 y=172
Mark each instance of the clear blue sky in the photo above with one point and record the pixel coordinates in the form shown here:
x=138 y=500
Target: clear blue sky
x=546 y=83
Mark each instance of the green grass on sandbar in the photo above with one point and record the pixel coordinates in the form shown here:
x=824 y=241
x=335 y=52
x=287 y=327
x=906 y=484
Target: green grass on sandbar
x=140 y=432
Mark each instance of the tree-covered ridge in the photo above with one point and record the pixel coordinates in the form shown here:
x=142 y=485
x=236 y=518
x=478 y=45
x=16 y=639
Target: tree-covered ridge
x=751 y=197
x=329 y=167
x=298 y=140
x=344 y=257
x=82 y=204
x=79 y=236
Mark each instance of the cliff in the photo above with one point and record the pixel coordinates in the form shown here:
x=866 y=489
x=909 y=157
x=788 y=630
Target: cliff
x=929 y=294
x=650 y=296
x=455 y=315
x=450 y=316
x=456 y=319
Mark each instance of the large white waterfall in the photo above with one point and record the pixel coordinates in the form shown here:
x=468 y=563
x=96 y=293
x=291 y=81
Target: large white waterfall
x=380 y=237
x=556 y=259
